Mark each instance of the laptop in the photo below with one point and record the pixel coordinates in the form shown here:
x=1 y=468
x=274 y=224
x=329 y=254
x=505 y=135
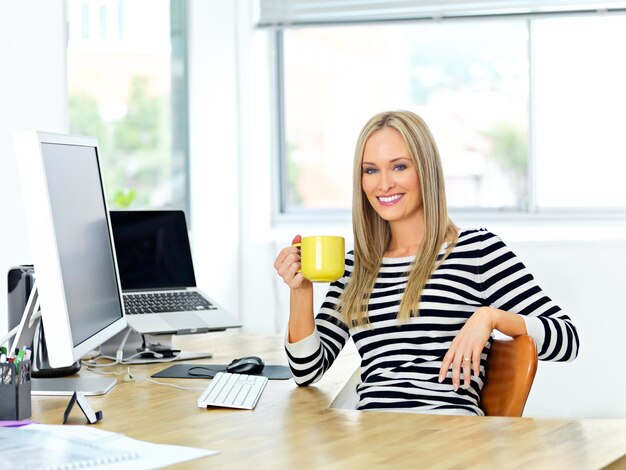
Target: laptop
x=157 y=276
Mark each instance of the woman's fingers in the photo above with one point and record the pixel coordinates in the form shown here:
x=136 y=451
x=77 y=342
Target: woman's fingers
x=456 y=372
x=463 y=365
x=283 y=254
x=476 y=362
x=287 y=264
x=445 y=365
x=466 y=364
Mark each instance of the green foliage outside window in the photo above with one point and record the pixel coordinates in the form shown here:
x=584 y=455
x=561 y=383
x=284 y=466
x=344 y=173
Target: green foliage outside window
x=134 y=150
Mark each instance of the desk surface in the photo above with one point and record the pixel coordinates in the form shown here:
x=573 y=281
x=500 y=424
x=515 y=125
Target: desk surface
x=293 y=427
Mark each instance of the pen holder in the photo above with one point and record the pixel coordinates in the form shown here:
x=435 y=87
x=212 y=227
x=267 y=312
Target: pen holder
x=15 y=392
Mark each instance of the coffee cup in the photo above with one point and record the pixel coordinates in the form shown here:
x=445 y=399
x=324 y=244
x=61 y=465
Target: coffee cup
x=322 y=257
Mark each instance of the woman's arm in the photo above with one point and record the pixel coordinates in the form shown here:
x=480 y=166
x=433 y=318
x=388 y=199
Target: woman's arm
x=301 y=321
x=312 y=343
x=514 y=305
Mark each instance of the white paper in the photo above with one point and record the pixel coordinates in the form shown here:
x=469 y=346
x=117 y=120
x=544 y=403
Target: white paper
x=58 y=447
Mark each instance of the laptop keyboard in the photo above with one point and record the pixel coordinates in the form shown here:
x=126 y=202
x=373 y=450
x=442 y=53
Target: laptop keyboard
x=166 y=302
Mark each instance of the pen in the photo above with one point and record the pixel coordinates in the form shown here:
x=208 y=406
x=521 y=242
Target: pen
x=12 y=369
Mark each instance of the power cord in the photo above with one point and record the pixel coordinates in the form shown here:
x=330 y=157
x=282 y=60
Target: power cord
x=128 y=377
x=203 y=368
x=171 y=385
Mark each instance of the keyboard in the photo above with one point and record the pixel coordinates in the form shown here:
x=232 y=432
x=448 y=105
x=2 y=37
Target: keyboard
x=159 y=302
x=233 y=391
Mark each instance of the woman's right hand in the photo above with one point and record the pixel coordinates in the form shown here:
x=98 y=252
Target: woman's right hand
x=287 y=265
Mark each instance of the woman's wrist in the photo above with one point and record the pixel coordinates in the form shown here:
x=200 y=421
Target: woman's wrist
x=493 y=315
x=511 y=324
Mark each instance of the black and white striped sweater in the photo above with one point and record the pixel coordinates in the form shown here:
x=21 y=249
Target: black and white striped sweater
x=401 y=361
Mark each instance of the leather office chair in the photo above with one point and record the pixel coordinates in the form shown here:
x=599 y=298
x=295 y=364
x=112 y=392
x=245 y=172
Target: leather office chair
x=510 y=372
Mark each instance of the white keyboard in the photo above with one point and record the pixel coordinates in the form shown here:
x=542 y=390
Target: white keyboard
x=233 y=391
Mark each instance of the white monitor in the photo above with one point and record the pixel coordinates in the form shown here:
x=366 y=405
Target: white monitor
x=71 y=243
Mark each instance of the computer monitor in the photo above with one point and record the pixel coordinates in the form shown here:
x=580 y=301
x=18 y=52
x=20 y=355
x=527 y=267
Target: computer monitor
x=71 y=243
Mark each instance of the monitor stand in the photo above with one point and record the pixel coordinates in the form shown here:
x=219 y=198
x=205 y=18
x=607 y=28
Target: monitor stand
x=131 y=347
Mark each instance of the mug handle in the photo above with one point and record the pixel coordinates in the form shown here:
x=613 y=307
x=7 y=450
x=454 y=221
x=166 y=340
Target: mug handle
x=298 y=245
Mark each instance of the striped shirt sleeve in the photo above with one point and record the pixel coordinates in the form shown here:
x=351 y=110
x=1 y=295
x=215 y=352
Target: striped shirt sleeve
x=311 y=357
x=508 y=285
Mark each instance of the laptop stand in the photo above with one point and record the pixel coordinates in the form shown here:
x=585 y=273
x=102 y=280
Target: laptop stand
x=130 y=347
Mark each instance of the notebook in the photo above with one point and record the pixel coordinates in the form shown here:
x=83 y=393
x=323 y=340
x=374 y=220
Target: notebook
x=157 y=276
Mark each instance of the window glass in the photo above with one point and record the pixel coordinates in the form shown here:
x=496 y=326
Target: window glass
x=579 y=119
x=120 y=81
x=472 y=91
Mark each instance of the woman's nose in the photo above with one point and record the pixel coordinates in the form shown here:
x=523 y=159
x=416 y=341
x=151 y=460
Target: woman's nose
x=386 y=181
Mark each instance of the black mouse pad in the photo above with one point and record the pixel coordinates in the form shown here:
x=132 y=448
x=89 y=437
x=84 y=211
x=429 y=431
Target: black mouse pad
x=204 y=371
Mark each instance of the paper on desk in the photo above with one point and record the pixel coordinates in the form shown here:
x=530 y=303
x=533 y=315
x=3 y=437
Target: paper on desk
x=51 y=446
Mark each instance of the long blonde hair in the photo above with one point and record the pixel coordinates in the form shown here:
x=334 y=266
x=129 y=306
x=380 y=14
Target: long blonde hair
x=372 y=233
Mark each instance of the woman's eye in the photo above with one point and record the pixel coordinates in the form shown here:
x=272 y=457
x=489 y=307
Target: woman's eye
x=369 y=171
x=399 y=167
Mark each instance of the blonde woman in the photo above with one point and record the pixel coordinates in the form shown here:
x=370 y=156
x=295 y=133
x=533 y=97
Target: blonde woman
x=419 y=296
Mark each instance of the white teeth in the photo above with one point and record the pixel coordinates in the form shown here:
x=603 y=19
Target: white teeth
x=388 y=199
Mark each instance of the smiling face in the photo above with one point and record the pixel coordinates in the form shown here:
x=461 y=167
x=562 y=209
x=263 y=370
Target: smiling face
x=389 y=177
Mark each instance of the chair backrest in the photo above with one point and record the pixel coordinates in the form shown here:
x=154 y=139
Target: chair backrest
x=509 y=375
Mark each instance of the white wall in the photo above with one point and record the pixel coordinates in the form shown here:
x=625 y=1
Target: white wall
x=33 y=94
x=586 y=279
x=214 y=149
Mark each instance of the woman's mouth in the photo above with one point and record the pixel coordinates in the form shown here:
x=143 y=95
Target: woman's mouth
x=389 y=200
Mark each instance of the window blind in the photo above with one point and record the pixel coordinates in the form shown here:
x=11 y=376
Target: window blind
x=285 y=13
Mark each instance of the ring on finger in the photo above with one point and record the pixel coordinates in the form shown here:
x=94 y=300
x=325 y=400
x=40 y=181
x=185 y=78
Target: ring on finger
x=466 y=359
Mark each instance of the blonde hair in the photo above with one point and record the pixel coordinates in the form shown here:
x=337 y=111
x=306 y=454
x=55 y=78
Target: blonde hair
x=372 y=233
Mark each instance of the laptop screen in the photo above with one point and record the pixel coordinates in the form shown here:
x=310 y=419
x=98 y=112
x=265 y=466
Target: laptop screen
x=152 y=249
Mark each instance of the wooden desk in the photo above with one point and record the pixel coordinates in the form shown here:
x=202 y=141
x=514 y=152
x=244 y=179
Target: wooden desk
x=292 y=427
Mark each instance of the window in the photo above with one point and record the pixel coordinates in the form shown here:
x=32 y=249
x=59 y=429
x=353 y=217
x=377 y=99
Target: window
x=580 y=100
x=479 y=84
x=471 y=90
x=127 y=87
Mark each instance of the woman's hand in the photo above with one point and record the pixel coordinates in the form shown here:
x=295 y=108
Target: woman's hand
x=464 y=353
x=287 y=265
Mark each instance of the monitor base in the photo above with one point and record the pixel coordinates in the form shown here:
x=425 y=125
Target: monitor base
x=66 y=386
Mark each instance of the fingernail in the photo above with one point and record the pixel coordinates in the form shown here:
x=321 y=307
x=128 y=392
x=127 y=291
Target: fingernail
x=440 y=378
x=456 y=387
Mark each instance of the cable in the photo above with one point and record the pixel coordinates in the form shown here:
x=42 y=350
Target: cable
x=9 y=335
x=132 y=378
x=129 y=360
x=171 y=385
x=107 y=373
x=119 y=355
x=204 y=368
x=13 y=332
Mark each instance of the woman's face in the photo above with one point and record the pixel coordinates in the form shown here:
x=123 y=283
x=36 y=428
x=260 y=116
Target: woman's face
x=389 y=177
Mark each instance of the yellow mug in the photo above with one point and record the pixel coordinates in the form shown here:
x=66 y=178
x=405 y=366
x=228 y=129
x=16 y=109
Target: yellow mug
x=322 y=258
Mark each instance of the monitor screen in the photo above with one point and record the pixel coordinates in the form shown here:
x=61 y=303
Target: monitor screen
x=82 y=235
x=152 y=249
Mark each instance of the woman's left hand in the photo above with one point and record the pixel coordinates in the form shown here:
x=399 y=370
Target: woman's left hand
x=464 y=353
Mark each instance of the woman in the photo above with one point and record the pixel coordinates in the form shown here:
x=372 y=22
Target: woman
x=419 y=297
